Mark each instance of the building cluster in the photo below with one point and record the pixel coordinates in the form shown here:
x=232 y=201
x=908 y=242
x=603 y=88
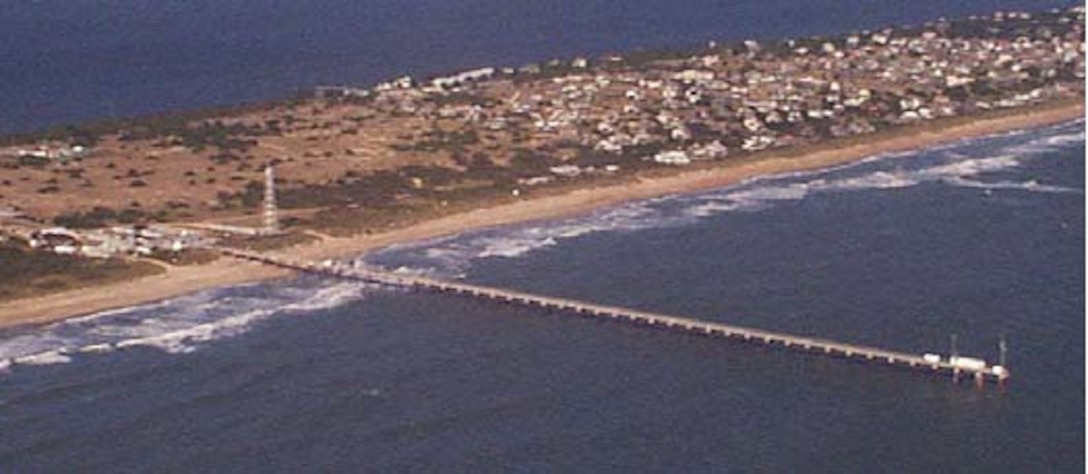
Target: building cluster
x=50 y=152
x=137 y=240
x=753 y=96
x=114 y=241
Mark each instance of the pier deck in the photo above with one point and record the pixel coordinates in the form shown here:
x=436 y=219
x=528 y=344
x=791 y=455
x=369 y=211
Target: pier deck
x=631 y=316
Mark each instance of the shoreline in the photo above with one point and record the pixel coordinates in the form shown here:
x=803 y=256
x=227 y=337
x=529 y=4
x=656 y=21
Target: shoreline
x=177 y=281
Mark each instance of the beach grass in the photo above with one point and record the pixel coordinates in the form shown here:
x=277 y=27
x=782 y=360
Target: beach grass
x=25 y=273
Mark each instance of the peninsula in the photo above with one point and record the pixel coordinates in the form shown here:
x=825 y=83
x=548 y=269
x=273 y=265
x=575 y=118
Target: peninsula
x=113 y=214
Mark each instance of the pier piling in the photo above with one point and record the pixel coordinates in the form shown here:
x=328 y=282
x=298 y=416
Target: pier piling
x=978 y=368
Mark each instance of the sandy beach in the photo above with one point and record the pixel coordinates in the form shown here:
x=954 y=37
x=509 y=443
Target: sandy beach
x=183 y=280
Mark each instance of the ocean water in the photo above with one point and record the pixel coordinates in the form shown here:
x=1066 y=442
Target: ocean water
x=980 y=238
x=64 y=61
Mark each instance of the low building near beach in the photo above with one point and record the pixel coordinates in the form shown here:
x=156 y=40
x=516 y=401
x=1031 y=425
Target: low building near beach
x=672 y=157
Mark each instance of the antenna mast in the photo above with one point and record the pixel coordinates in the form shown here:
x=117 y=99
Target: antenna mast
x=1004 y=349
x=271 y=211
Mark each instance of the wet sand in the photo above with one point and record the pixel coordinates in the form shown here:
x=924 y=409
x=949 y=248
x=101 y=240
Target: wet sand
x=183 y=280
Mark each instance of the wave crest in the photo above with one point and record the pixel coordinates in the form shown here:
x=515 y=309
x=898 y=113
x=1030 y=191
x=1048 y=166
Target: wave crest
x=950 y=165
x=177 y=326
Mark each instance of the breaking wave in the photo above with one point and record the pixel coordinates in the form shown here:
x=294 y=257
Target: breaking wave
x=1030 y=185
x=44 y=358
x=976 y=163
x=177 y=326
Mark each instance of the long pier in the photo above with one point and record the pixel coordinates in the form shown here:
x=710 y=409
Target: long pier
x=932 y=363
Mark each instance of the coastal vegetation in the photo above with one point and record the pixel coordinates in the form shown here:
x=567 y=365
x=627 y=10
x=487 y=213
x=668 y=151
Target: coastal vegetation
x=25 y=273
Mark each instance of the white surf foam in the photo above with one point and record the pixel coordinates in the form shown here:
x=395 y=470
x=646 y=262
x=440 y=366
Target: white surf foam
x=56 y=356
x=187 y=340
x=950 y=164
x=876 y=180
x=791 y=192
x=97 y=348
x=511 y=248
x=181 y=339
x=1029 y=185
x=1048 y=143
x=114 y=312
x=330 y=297
x=972 y=167
x=450 y=257
x=178 y=326
x=712 y=208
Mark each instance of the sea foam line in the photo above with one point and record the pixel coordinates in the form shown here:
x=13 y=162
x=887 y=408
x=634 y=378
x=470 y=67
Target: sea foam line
x=946 y=164
x=178 y=326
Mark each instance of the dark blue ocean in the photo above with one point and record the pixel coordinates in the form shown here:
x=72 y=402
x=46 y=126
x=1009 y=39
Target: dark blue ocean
x=980 y=238
x=65 y=61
